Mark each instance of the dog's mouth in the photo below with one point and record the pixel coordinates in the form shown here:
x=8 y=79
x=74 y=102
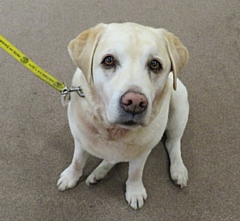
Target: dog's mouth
x=130 y=123
x=129 y=120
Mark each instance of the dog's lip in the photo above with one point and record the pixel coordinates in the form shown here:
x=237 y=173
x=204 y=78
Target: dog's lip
x=130 y=124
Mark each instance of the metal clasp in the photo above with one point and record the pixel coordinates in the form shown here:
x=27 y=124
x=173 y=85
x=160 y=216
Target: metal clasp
x=78 y=90
x=66 y=96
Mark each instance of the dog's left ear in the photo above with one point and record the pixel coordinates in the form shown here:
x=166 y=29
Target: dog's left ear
x=178 y=54
x=82 y=49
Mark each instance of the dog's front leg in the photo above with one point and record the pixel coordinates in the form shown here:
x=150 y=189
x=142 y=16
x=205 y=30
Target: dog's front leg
x=70 y=176
x=135 y=191
x=100 y=172
x=176 y=124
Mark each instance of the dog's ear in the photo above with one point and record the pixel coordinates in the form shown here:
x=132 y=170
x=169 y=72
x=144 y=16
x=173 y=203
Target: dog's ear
x=178 y=54
x=82 y=49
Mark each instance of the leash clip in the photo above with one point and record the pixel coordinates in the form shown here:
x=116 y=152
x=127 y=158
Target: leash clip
x=78 y=90
x=66 y=96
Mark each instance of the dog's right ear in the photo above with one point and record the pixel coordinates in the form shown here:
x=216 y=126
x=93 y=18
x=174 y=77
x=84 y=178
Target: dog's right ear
x=82 y=49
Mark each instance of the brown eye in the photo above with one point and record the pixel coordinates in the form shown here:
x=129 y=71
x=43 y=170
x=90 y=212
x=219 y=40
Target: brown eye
x=108 y=62
x=155 y=66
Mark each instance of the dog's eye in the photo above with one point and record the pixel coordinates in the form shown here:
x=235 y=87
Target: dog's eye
x=155 y=66
x=108 y=62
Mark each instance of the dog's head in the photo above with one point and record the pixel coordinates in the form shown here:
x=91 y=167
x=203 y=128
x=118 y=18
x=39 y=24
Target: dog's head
x=128 y=64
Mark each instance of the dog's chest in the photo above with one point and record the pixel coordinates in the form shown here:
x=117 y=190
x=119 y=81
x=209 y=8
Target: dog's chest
x=124 y=148
x=117 y=144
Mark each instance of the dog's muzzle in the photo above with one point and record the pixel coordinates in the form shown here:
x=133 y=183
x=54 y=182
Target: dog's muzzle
x=133 y=108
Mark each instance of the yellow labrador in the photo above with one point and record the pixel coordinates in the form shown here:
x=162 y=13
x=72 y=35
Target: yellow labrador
x=128 y=73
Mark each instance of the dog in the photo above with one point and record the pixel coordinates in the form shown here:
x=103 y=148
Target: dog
x=128 y=73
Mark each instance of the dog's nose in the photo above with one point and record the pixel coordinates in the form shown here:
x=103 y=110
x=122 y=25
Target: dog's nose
x=134 y=103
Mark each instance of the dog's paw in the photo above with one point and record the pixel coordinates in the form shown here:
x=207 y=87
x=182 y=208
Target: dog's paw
x=95 y=177
x=179 y=174
x=68 y=179
x=136 y=196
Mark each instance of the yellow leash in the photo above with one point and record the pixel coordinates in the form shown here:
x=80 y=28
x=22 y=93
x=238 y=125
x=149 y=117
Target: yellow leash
x=39 y=72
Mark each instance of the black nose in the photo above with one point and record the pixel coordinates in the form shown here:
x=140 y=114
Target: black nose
x=134 y=103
